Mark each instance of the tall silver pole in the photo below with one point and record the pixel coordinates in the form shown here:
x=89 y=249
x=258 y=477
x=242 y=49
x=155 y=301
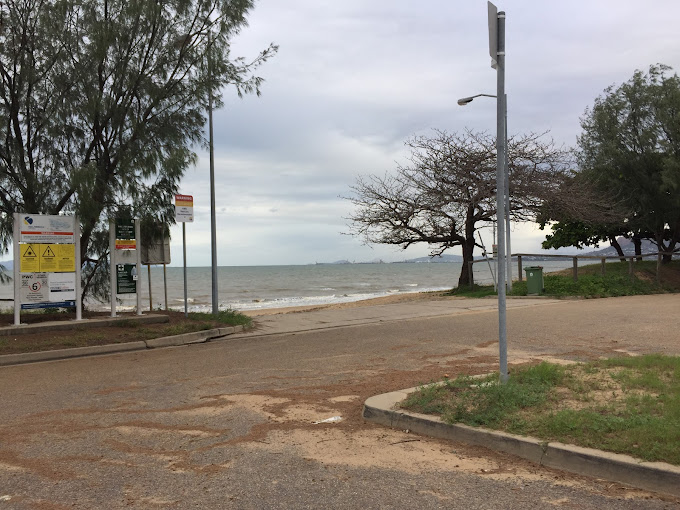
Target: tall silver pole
x=500 y=195
x=508 y=253
x=184 y=264
x=213 y=225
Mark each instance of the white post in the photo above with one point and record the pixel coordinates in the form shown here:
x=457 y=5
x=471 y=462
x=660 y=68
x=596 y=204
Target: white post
x=79 y=290
x=112 y=264
x=16 y=237
x=138 y=250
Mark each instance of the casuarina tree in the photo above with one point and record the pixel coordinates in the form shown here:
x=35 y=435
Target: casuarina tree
x=102 y=104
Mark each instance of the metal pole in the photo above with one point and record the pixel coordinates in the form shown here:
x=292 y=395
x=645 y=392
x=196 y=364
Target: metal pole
x=213 y=225
x=507 y=199
x=500 y=196
x=184 y=264
x=165 y=274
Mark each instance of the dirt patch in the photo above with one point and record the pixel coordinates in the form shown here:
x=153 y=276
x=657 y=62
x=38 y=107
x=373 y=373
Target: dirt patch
x=124 y=331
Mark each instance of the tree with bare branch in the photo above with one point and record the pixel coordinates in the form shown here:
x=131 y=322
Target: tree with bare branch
x=447 y=191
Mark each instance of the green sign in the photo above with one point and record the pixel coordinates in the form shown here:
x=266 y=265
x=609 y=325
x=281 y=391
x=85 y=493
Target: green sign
x=126 y=278
x=125 y=228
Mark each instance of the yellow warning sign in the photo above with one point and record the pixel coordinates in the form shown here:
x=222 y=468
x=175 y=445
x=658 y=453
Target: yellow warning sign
x=57 y=258
x=48 y=258
x=30 y=262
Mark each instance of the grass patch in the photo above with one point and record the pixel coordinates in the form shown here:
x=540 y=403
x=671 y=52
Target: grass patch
x=592 y=284
x=625 y=405
x=228 y=317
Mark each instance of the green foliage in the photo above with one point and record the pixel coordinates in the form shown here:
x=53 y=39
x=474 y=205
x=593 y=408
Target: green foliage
x=629 y=152
x=637 y=411
x=102 y=104
x=591 y=283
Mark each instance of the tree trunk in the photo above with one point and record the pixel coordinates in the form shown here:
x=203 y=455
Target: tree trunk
x=637 y=243
x=468 y=250
x=619 y=251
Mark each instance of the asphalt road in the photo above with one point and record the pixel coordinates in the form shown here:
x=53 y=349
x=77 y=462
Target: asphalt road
x=230 y=424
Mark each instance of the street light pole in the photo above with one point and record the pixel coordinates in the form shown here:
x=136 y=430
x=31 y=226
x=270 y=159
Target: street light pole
x=508 y=253
x=497 y=52
x=213 y=223
x=500 y=188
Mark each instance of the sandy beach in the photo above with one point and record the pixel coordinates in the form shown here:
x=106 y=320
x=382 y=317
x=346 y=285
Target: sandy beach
x=384 y=300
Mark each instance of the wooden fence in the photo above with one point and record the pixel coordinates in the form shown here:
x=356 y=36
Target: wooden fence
x=575 y=258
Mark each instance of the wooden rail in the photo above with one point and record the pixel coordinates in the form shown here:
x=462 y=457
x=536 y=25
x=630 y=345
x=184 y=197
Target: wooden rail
x=630 y=258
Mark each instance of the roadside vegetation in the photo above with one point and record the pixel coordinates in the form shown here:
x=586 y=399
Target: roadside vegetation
x=591 y=283
x=627 y=405
x=123 y=330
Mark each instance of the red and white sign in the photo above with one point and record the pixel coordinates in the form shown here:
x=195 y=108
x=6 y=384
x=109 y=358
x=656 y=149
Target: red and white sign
x=40 y=228
x=184 y=208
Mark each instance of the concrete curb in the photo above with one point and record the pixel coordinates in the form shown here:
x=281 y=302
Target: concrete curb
x=651 y=476
x=79 y=352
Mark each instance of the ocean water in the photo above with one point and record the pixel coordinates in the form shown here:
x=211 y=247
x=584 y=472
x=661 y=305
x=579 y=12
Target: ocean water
x=262 y=287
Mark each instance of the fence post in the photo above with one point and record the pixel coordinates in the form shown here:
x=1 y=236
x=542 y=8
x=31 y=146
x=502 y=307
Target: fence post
x=603 y=266
x=575 y=269
x=630 y=267
x=519 y=267
x=658 y=268
x=470 y=274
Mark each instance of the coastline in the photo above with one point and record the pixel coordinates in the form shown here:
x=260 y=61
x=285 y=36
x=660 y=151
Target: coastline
x=437 y=295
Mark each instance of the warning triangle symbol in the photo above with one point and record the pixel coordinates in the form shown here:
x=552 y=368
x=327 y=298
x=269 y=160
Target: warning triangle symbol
x=29 y=253
x=49 y=252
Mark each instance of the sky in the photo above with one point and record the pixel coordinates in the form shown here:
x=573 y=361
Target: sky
x=353 y=80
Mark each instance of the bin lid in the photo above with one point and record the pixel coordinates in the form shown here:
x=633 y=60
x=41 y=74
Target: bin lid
x=532 y=268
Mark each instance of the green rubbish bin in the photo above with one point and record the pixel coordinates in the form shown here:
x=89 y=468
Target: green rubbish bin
x=534 y=280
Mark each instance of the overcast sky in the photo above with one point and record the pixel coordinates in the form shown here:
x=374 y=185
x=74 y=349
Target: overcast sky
x=354 y=79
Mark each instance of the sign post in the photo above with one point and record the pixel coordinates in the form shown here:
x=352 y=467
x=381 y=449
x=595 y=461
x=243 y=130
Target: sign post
x=125 y=260
x=184 y=212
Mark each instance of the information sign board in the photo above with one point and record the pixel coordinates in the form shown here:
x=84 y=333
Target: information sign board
x=184 y=208
x=125 y=228
x=62 y=287
x=41 y=228
x=126 y=278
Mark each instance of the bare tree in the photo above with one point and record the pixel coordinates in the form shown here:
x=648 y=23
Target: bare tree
x=448 y=191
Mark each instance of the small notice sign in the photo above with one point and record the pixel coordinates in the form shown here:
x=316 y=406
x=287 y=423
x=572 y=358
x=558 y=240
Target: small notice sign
x=30 y=260
x=184 y=208
x=126 y=244
x=126 y=278
x=58 y=258
x=34 y=288
x=40 y=228
x=62 y=287
x=125 y=228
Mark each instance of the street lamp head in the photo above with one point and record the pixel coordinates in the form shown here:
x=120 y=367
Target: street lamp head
x=465 y=100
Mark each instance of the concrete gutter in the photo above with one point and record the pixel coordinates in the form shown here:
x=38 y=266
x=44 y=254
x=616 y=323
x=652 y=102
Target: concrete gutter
x=652 y=476
x=78 y=352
